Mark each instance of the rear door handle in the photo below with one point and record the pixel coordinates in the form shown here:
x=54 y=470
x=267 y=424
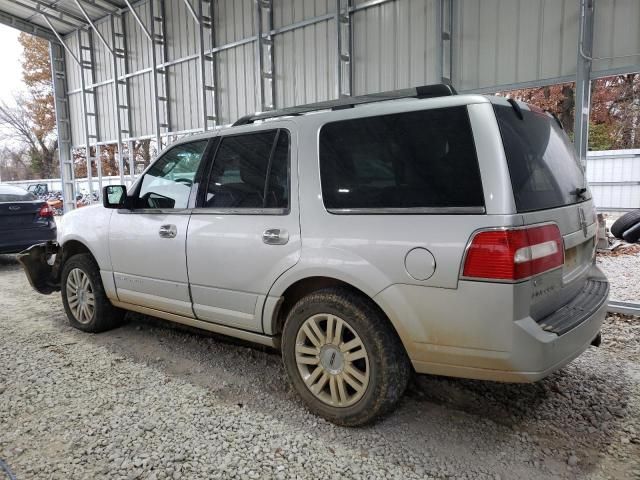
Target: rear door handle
x=275 y=236
x=168 y=231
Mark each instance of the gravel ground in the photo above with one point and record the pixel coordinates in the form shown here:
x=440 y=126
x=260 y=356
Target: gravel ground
x=151 y=401
x=623 y=271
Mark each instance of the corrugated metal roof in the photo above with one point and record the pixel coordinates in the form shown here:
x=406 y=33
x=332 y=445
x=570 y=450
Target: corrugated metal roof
x=64 y=15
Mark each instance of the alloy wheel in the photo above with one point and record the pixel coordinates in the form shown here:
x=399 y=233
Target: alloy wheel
x=332 y=360
x=80 y=296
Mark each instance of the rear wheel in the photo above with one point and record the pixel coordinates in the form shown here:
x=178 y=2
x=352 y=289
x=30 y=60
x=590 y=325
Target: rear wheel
x=343 y=357
x=83 y=296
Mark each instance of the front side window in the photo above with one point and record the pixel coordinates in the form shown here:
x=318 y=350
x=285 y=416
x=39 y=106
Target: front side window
x=168 y=182
x=250 y=172
x=421 y=160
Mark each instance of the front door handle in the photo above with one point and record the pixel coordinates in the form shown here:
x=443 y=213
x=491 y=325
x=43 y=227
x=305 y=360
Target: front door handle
x=275 y=236
x=168 y=231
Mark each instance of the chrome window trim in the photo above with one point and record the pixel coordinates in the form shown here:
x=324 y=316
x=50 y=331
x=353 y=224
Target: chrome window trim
x=408 y=211
x=156 y=211
x=240 y=211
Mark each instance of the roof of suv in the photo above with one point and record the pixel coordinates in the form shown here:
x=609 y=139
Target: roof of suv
x=438 y=95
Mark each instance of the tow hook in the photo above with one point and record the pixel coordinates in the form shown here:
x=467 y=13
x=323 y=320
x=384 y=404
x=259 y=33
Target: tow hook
x=597 y=341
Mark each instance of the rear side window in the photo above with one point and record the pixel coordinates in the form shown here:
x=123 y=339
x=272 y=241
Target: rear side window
x=544 y=168
x=250 y=171
x=424 y=159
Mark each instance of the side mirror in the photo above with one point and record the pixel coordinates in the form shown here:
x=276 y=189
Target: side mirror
x=114 y=196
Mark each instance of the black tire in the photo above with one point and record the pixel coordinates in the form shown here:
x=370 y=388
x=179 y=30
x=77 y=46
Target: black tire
x=624 y=223
x=104 y=316
x=388 y=366
x=633 y=234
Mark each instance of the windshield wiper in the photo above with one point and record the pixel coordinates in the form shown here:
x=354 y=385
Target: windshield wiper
x=579 y=192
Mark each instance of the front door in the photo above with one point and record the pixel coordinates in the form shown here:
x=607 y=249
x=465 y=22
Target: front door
x=244 y=232
x=147 y=243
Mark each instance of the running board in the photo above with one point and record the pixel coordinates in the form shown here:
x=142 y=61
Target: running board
x=253 y=337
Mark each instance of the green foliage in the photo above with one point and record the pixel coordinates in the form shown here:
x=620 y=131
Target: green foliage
x=601 y=137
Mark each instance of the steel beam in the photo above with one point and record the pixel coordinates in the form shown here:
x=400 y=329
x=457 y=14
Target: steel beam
x=265 y=67
x=90 y=22
x=445 y=40
x=344 y=68
x=85 y=115
x=27 y=27
x=583 y=79
x=63 y=123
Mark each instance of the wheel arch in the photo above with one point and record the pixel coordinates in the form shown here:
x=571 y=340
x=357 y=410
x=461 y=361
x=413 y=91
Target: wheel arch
x=304 y=286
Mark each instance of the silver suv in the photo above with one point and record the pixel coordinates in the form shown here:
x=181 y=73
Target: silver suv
x=366 y=238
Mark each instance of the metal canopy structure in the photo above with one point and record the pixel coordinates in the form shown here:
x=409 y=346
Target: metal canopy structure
x=128 y=70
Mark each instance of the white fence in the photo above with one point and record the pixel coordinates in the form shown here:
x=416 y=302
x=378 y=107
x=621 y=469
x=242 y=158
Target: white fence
x=614 y=178
x=81 y=184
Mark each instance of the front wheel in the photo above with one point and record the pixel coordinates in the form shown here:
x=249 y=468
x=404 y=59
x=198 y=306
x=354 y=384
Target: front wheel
x=83 y=296
x=343 y=357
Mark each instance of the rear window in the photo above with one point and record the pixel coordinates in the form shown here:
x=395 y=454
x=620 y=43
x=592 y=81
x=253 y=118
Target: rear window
x=424 y=160
x=15 y=194
x=544 y=168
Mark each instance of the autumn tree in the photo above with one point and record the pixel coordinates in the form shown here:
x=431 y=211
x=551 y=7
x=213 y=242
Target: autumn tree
x=31 y=122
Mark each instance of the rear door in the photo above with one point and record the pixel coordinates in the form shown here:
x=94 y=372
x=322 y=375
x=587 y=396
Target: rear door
x=549 y=186
x=245 y=231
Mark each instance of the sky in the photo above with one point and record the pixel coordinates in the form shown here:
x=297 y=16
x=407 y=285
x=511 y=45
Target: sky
x=10 y=53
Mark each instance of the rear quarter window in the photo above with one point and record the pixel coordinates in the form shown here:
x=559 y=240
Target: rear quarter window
x=414 y=160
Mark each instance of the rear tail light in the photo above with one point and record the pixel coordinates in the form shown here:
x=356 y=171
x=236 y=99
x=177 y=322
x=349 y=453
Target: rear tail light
x=514 y=254
x=45 y=211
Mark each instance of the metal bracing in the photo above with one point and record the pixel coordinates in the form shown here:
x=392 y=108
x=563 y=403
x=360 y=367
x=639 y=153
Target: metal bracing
x=208 y=71
x=89 y=103
x=119 y=57
x=264 y=20
x=583 y=78
x=159 y=33
x=345 y=51
x=55 y=16
x=154 y=69
x=445 y=39
x=63 y=123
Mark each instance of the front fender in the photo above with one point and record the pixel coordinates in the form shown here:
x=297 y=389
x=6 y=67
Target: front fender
x=42 y=265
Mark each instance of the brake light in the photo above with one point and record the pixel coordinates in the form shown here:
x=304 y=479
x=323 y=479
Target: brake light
x=514 y=254
x=45 y=211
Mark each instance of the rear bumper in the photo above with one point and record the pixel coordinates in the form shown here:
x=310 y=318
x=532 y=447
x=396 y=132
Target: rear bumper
x=41 y=264
x=14 y=241
x=474 y=335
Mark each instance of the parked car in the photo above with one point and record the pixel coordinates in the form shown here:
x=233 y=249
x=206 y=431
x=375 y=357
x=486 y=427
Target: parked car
x=450 y=235
x=24 y=220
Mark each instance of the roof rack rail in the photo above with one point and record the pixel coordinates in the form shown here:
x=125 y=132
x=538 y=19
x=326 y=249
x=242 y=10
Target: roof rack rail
x=425 y=91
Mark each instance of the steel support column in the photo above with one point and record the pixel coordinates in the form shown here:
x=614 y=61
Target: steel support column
x=445 y=39
x=154 y=66
x=583 y=78
x=264 y=19
x=344 y=68
x=63 y=123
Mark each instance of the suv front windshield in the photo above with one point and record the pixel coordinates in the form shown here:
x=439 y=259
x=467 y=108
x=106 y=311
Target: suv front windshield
x=544 y=168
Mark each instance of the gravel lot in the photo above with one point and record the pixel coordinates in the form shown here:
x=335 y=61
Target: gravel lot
x=623 y=271
x=152 y=401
